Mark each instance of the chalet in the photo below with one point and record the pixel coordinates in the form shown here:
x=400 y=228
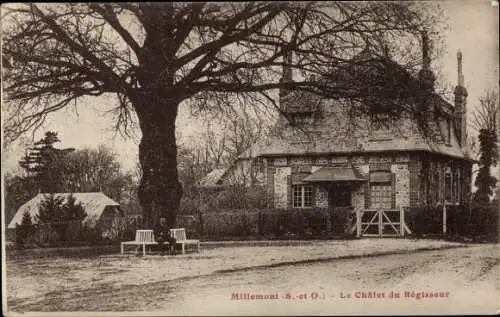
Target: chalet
x=321 y=157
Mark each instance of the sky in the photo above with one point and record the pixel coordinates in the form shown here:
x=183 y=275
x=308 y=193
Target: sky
x=473 y=29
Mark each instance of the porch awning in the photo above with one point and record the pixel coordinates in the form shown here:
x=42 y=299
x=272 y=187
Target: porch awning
x=336 y=174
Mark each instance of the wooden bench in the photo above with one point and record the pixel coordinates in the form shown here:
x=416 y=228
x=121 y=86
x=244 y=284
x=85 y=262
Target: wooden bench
x=180 y=237
x=142 y=237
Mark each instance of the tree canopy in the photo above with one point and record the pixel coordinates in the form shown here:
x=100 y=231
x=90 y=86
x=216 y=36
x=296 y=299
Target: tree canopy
x=154 y=57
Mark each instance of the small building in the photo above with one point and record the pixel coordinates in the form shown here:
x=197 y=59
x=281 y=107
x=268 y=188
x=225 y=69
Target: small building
x=102 y=212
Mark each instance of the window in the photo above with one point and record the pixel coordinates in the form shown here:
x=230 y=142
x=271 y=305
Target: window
x=380 y=127
x=302 y=196
x=380 y=189
x=447 y=186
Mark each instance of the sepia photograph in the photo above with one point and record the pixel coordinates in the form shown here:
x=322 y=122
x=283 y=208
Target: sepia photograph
x=250 y=158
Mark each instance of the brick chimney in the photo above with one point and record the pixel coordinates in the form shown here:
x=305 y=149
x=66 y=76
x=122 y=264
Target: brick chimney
x=460 y=104
x=286 y=76
x=427 y=78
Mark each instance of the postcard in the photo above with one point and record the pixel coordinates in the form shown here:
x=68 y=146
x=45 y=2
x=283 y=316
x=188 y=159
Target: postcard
x=250 y=158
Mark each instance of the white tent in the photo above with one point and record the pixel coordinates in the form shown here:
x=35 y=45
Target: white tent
x=94 y=204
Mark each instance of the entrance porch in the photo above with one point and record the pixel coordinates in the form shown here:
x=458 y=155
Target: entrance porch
x=345 y=193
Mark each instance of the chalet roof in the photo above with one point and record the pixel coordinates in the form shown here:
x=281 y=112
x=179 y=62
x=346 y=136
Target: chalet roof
x=214 y=178
x=94 y=204
x=331 y=140
x=319 y=146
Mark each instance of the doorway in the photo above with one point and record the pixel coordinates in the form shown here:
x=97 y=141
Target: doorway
x=339 y=195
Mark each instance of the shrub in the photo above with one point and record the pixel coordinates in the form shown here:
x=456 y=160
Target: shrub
x=480 y=222
x=46 y=235
x=91 y=235
x=24 y=230
x=342 y=220
x=425 y=220
x=24 y=235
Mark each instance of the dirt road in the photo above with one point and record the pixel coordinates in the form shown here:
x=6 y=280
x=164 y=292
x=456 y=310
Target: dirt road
x=445 y=281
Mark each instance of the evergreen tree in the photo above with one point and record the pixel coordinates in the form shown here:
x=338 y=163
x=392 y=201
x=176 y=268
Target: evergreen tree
x=45 y=163
x=51 y=209
x=57 y=209
x=61 y=215
x=488 y=146
x=73 y=211
x=27 y=221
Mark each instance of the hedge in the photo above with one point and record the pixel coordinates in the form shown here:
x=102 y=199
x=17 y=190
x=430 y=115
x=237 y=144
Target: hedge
x=477 y=222
x=267 y=223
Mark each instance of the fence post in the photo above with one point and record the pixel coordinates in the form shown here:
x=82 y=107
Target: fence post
x=402 y=221
x=358 y=223
x=380 y=224
x=201 y=224
x=444 y=218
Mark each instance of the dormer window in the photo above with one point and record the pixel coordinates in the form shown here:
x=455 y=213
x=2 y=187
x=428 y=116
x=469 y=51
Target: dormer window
x=380 y=127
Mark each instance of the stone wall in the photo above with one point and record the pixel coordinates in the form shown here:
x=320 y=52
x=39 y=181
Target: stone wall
x=280 y=193
x=402 y=186
x=358 y=198
x=321 y=198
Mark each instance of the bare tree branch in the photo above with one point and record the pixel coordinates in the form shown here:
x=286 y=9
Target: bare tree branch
x=485 y=116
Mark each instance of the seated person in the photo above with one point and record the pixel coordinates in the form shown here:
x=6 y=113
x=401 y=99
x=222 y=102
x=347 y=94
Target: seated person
x=163 y=236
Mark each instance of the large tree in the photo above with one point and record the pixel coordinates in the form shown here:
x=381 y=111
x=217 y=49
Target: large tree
x=154 y=57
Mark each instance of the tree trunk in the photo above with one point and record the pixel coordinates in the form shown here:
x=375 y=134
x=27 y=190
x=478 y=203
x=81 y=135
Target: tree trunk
x=160 y=191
